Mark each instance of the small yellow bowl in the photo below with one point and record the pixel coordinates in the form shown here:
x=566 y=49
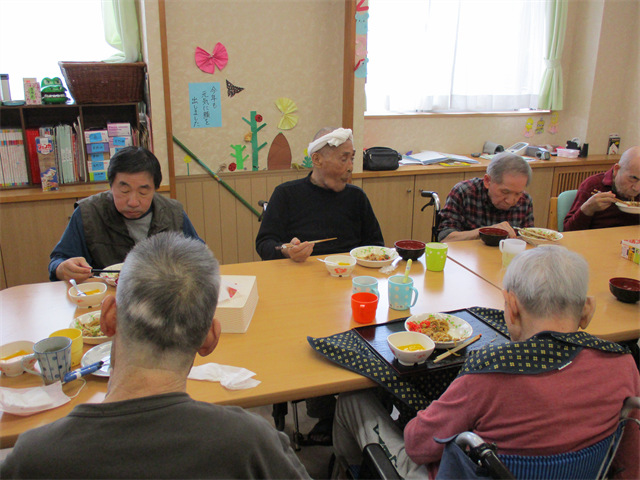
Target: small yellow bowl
x=75 y=334
x=92 y=300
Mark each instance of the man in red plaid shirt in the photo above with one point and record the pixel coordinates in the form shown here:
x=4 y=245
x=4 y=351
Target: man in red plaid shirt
x=496 y=200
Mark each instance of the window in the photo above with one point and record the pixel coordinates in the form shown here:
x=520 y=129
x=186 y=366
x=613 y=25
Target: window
x=454 y=55
x=36 y=34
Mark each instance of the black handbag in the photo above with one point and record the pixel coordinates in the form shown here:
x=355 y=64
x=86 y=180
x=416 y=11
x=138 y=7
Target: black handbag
x=381 y=158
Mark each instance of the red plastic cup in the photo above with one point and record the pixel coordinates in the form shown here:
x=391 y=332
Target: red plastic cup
x=363 y=306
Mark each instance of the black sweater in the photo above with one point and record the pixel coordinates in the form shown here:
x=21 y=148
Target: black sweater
x=304 y=210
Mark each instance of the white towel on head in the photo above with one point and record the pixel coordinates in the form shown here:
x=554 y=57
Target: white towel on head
x=335 y=138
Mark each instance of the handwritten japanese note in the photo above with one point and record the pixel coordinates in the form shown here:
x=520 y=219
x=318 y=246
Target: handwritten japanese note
x=204 y=104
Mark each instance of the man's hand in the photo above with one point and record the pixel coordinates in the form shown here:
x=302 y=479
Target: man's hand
x=597 y=203
x=299 y=252
x=76 y=268
x=506 y=227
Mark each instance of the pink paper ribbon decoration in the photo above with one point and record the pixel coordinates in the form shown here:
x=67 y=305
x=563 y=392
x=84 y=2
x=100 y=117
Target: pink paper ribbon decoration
x=208 y=62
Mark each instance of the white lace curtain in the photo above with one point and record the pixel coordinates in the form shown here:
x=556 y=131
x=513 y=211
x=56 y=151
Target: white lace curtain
x=455 y=55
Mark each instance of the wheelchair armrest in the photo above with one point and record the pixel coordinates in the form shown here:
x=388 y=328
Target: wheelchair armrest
x=376 y=464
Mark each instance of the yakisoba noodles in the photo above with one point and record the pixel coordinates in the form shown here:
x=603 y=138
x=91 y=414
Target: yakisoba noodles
x=434 y=328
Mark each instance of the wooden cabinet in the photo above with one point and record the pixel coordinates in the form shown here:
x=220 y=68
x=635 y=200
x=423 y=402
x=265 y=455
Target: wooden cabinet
x=28 y=233
x=90 y=116
x=392 y=199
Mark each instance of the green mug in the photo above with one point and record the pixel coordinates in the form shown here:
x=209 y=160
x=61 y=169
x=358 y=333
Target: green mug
x=436 y=256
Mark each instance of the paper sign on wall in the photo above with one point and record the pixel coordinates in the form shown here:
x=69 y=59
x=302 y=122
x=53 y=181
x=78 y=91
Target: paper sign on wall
x=204 y=104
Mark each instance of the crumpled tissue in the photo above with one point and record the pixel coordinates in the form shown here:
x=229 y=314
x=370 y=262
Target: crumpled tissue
x=233 y=378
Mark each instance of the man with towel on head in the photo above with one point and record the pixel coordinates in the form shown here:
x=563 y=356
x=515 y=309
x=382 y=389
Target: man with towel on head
x=322 y=205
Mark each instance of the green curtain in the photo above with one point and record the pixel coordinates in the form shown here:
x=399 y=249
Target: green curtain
x=121 y=30
x=551 y=86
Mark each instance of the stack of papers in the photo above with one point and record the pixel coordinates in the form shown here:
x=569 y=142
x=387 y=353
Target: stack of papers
x=430 y=158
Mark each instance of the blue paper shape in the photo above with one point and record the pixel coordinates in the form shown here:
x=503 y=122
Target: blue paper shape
x=361 y=71
x=204 y=105
x=362 y=23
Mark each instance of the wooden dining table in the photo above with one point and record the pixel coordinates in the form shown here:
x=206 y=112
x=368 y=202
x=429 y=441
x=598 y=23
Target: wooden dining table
x=613 y=320
x=296 y=300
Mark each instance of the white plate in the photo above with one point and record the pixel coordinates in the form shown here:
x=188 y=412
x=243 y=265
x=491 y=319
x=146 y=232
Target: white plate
x=363 y=251
x=111 y=278
x=88 y=318
x=101 y=352
x=458 y=328
x=627 y=209
x=535 y=240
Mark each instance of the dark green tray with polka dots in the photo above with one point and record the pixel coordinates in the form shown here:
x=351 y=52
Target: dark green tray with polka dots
x=488 y=322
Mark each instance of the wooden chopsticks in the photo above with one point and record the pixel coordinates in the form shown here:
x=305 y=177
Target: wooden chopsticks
x=97 y=270
x=289 y=245
x=624 y=202
x=530 y=233
x=459 y=347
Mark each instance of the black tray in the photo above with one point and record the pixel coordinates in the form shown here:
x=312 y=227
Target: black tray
x=375 y=336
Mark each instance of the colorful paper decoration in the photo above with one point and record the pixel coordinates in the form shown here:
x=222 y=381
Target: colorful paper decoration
x=187 y=160
x=254 y=138
x=554 y=127
x=540 y=126
x=289 y=119
x=361 y=46
x=307 y=162
x=361 y=7
x=528 y=128
x=361 y=68
x=232 y=89
x=238 y=150
x=279 y=157
x=248 y=136
x=362 y=23
x=208 y=62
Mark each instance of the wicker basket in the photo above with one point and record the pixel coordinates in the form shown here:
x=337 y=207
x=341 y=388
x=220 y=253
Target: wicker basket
x=99 y=82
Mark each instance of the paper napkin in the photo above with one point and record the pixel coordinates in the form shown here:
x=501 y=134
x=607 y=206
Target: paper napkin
x=233 y=378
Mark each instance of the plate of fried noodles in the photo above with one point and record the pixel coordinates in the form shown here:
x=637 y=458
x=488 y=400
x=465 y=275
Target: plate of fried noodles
x=445 y=330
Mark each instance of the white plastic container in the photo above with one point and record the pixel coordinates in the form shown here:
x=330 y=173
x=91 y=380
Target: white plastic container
x=567 y=152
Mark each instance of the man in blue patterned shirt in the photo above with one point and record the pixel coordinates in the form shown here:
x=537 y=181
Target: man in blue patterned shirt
x=496 y=200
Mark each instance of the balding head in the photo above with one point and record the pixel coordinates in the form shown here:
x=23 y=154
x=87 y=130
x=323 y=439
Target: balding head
x=627 y=174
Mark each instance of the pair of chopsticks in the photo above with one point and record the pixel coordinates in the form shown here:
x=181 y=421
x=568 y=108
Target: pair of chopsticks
x=530 y=233
x=624 y=202
x=97 y=270
x=289 y=245
x=459 y=347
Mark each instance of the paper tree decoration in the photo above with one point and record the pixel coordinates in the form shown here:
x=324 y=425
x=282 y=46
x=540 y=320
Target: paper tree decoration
x=253 y=123
x=232 y=89
x=238 y=151
x=279 y=157
x=289 y=119
x=208 y=62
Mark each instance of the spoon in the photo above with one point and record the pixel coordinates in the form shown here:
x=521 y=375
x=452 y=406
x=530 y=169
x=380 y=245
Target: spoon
x=328 y=263
x=406 y=272
x=80 y=292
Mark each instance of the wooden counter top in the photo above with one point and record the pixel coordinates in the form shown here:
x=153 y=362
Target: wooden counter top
x=482 y=166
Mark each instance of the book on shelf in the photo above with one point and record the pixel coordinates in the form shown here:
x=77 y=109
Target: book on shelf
x=32 y=134
x=12 y=158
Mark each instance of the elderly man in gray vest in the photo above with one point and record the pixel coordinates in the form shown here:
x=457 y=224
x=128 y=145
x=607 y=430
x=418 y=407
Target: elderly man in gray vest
x=106 y=226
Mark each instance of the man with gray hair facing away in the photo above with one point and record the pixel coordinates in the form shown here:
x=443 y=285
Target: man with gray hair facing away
x=551 y=390
x=147 y=425
x=496 y=200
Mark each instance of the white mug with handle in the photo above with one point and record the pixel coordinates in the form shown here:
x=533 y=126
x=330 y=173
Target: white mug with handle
x=510 y=247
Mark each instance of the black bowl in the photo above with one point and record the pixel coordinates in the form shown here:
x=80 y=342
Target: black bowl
x=410 y=249
x=492 y=236
x=626 y=290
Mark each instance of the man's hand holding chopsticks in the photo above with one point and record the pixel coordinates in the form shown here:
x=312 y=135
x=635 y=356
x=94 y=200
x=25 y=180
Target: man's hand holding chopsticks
x=598 y=202
x=299 y=251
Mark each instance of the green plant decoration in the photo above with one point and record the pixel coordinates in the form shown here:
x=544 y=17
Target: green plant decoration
x=253 y=123
x=238 y=151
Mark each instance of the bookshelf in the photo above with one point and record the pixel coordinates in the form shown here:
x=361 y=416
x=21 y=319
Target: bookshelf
x=91 y=116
